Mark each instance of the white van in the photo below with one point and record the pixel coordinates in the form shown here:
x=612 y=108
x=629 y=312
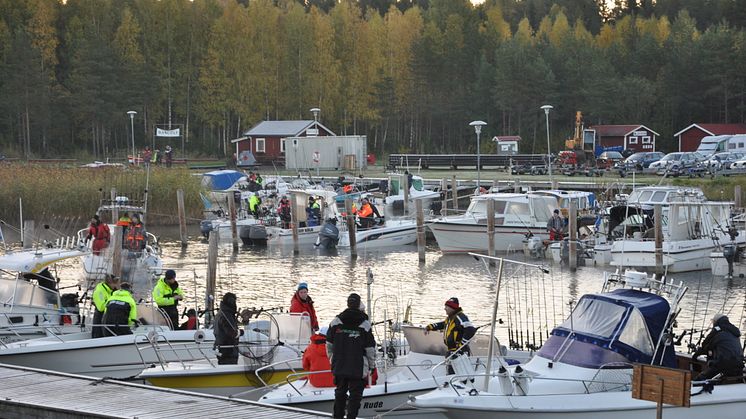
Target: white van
x=712 y=144
x=737 y=143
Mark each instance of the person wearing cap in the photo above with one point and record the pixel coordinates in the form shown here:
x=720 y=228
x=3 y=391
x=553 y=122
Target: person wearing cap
x=316 y=360
x=100 y=234
x=227 y=331
x=167 y=295
x=351 y=348
x=556 y=226
x=303 y=304
x=254 y=203
x=313 y=212
x=457 y=329
x=723 y=349
x=101 y=294
x=120 y=313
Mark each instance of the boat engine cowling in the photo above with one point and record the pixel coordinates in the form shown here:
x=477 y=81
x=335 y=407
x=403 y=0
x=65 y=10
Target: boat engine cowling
x=521 y=379
x=329 y=234
x=205 y=227
x=502 y=383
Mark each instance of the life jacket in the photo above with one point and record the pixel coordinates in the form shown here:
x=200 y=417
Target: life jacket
x=315 y=359
x=136 y=237
x=347 y=189
x=366 y=211
x=124 y=221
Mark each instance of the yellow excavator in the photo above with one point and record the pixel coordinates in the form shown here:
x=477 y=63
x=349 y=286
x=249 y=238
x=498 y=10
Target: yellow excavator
x=576 y=159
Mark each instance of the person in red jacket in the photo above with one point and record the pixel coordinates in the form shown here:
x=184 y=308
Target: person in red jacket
x=100 y=234
x=302 y=303
x=315 y=359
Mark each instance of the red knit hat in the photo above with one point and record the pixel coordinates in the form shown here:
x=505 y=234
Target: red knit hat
x=452 y=303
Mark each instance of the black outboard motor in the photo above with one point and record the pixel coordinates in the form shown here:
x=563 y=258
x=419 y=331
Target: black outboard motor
x=205 y=227
x=329 y=234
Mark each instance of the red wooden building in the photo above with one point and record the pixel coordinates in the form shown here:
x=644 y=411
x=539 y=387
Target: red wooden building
x=630 y=137
x=266 y=140
x=690 y=137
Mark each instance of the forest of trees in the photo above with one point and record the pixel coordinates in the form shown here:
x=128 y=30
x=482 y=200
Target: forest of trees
x=409 y=74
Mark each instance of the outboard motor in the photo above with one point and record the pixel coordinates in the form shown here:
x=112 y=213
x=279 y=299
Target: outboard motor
x=329 y=234
x=205 y=227
x=535 y=247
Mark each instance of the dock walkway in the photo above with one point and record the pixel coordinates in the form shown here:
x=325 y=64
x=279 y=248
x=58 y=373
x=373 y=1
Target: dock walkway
x=33 y=393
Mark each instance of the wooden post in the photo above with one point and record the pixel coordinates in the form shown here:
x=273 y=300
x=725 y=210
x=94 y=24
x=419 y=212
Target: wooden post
x=212 y=268
x=405 y=181
x=444 y=198
x=573 y=244
x=494 y=186
x=454 y=193
x=232 y=214
x=555 y=185
x=182 y=217
x=420 y=230
x=491 y=230
x=294 y=221
x=657 y=218
x=116 y=251
x=115 y=211
x=28 y=234
x=517 y=186
x=350 y=218
x=737 y=196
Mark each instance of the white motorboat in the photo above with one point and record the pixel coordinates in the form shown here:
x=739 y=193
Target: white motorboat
x=585 y=368
x=137 y=266
x=417 y=372
x=307 y=235
x=692 y=229
x=516 y=216
x=394 y=202
x=30 y=297
x=392 y=232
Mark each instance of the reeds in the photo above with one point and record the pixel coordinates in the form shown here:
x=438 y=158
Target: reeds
x=64 y=192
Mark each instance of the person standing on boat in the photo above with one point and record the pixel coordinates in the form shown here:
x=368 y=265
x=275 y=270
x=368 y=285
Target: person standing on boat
x=556 y=226
x=302 y=303
x=365 y=214
x=101 y=295
x=457 y=329
x=315 y=360
x=227 y=331
x=254 y=202
x=121 y=312
x=723 y=349
x=351 y=348
x=100 y=234
x=136 y=235
x=167 y=295
x=284 y=212
x=313 y=212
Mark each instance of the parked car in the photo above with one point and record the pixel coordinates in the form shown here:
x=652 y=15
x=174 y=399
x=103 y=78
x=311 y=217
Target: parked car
x=640 y=161
x=678 y=163
x=722 y=160
x=608 y=159
x=739 y=164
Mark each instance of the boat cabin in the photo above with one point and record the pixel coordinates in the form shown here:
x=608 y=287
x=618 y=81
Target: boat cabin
x=513 y=209
x=584 y=201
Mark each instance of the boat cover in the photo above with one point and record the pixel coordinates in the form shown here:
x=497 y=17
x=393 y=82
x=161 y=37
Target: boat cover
x=220 y=180
x=623 y=325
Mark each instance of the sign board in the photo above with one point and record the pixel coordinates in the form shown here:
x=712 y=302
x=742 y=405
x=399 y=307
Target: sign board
x=167 y=132
x=661 y=385
x=316 y=156
x=639 y=133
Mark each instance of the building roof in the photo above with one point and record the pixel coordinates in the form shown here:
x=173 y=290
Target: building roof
x=716 y=129
x=283 y=128
x=506 y=138
x=618 y=130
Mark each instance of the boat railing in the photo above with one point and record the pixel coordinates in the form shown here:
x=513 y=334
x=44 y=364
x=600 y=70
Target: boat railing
x=286 y=362
x=162 y=347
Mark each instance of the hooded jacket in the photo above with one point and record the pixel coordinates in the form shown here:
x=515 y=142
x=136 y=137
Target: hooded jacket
x=350 y=344
x=457 y=330
x=722 y=345
x=315 y=359
x=297 y=305
x=226 y=324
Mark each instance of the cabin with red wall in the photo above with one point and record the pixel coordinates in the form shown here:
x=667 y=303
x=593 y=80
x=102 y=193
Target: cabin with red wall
x=690 y=137
x=266 y=140
x=630 y=137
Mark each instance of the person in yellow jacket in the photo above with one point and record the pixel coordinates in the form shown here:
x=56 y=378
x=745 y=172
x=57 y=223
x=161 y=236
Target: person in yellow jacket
x=167 y=295
x=101 y=294
x=121 y=312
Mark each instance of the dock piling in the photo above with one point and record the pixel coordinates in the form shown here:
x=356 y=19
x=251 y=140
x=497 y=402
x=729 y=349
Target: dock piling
x=182 y=217
x=294 y=224
x=234 y=229
x=350 y=218
x=115 y=210
x=420 y=230
x=212 y=267
x=405 y=181
x=657 y=218
x=491 y=230
x=116 y=253
x=454 y=193
x=573 y=244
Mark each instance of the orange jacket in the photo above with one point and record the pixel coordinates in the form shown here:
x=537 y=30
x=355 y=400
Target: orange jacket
x=315 y=359
x=366 y=211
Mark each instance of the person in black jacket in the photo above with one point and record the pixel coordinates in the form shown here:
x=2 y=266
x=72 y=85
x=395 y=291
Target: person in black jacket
x=227 y=331
x=723 y=349
x=351 y=348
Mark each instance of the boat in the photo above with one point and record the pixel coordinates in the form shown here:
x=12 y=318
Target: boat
x=137 y=266
x=386 y=233
x=420 y=370
x=277 y=235
x=585 y=368
x=31 y=300
x=220 y=186
x=692 y=229
x=517 y=216
x=393 y=204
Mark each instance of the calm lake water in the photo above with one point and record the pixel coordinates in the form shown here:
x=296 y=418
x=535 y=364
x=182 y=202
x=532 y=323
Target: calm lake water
x=529 y=299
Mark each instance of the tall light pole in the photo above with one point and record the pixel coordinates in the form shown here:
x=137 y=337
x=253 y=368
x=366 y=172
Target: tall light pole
x=132 y=131
x=548 y=108
x=478 y=129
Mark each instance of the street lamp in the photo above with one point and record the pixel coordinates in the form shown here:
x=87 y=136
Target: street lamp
x=547 y=108
x=132 y=130
x=478 y=129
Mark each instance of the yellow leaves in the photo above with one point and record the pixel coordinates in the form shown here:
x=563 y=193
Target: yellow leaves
x=126 y=39
x=496 y=28
x=560 y=30
x=44 y=38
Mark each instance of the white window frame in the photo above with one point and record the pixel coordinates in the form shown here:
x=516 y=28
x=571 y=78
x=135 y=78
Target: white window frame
x=646 y=140
x=260 y=145
x=282 y=145
x=632 y=140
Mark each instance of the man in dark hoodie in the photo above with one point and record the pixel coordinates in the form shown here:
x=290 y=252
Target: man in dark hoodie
x=457 y=329
x=351 y=348
x=723 y=349
x=227 y=331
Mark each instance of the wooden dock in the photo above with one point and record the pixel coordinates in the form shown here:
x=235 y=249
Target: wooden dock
x=33 y=393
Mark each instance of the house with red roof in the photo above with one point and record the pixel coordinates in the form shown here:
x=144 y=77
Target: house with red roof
x=690 y=137
x=629 y=137
x=265 y=142
x=507 y=144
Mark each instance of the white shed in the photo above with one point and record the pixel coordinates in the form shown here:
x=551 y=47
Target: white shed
x=329 y=152
x=506 y=144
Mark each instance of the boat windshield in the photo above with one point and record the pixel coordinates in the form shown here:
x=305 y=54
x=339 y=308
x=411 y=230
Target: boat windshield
x=25 y=293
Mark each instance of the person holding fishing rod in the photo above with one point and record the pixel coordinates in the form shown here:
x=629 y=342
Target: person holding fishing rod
x=723 y=349
x=556 y=226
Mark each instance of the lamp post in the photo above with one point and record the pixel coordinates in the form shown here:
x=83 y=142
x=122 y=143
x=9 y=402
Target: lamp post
x=547 y=108
x=478 y=129
x=132 y=131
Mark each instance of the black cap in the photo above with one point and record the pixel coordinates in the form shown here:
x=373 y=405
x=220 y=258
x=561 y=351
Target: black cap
x=229 y=296
x=353 y=301
x=170 y=274
x=556 y=211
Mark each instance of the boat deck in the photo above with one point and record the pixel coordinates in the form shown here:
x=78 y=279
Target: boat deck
x=29 y=392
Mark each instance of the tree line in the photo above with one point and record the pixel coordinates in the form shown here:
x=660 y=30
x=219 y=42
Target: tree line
x=409 y=74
